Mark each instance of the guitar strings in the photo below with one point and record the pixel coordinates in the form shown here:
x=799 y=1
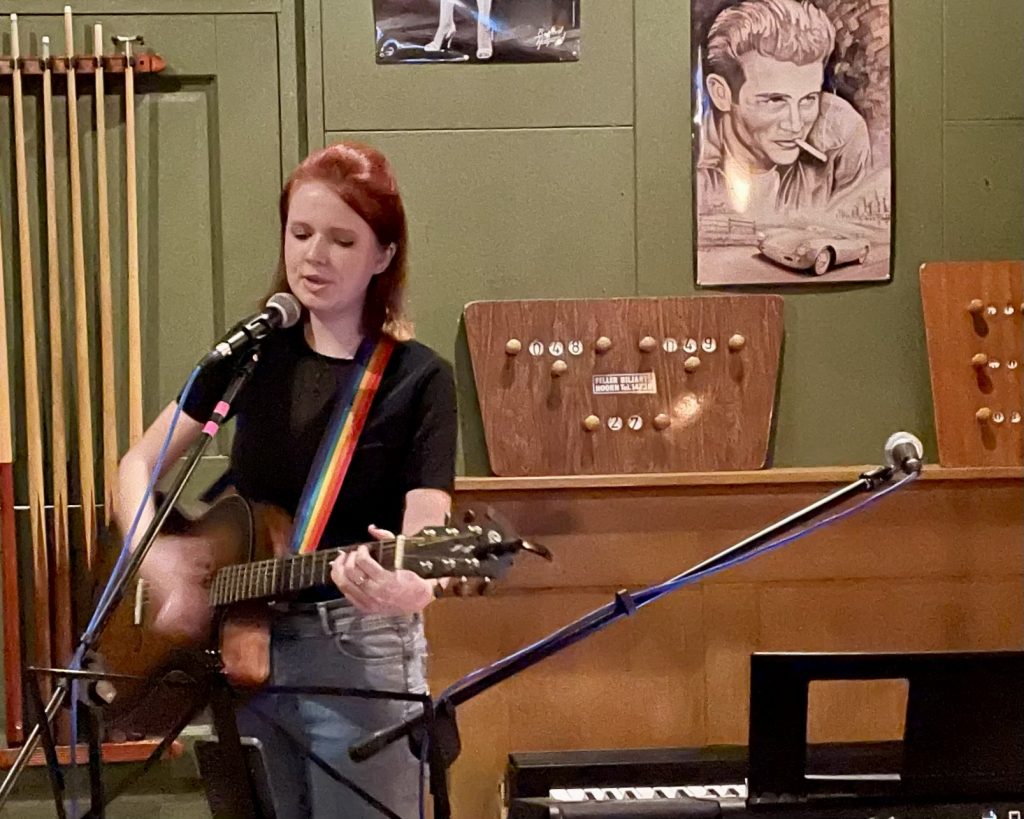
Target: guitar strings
x=260 y=579
x=243 y=580
x=237 y=582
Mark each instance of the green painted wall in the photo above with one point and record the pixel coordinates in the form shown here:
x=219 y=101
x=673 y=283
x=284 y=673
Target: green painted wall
x=537 y=182
x=545 y=181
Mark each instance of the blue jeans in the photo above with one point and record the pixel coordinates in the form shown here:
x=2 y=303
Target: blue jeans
x=331 y=644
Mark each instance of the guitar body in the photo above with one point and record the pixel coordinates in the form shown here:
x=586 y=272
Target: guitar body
x=172 y=628
x=205 y=588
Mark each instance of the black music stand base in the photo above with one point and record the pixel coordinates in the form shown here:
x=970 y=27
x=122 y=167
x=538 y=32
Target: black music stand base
x=442 y=749
x=239 y=795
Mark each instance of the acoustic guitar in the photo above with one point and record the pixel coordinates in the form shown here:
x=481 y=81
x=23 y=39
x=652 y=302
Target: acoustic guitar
x=203 y=577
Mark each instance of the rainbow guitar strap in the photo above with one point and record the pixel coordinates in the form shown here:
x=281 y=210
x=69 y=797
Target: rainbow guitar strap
x=339 y=444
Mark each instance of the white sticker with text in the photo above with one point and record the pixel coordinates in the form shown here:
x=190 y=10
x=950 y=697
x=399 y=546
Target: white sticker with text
x=625 y=383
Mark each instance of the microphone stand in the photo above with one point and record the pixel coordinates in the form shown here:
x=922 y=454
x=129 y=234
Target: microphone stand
x=624 y=604
x=121 y=580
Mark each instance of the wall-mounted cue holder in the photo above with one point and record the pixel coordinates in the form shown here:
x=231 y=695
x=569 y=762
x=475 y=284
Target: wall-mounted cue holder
x=145 y=63
x=974 y=320
x=51 y=553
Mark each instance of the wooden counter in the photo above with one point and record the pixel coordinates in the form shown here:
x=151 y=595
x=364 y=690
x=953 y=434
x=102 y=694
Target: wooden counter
x=936 y=565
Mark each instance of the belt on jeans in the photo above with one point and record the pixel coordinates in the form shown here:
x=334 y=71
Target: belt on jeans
x=296 y=607
x=322 y=609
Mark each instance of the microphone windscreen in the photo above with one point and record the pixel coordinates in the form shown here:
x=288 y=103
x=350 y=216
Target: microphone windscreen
x=289 y=307
x=902 y=441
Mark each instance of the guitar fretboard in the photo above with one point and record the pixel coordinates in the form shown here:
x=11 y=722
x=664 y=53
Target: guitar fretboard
x=279 y=577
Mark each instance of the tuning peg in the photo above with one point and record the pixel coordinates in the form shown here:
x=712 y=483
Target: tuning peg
x=501 y=522
x=537 y=549
x=484 y=586
x=469 y=516
x=461 y=587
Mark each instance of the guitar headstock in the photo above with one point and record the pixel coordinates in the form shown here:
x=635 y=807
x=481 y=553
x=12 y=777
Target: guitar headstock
x=482 y=550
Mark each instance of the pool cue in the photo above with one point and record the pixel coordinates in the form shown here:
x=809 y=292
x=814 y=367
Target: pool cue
x=8 y=536
x=59 y=450
x=9 y=546
x=83 y=382
x=61 y=553
x=110 y=447
x=134 y=310
x=33 y=426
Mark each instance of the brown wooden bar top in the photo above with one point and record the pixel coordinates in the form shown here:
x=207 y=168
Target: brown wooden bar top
x=936 y=565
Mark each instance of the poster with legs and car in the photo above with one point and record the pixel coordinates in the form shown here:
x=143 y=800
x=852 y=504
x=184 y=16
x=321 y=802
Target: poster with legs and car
x=477 y=31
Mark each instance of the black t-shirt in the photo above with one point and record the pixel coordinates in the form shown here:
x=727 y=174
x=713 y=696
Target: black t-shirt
x=408 y=441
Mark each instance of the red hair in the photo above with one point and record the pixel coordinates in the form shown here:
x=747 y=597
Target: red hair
x=363 y=179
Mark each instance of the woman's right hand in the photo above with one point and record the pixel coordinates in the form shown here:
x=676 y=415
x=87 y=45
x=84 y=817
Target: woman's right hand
x=177 y=579
x=175 y=586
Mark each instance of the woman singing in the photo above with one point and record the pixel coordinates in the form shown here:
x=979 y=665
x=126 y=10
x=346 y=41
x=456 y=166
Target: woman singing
x=343 y=256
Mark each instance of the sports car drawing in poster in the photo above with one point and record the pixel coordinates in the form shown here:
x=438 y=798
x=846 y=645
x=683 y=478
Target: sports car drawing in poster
x=815 y=250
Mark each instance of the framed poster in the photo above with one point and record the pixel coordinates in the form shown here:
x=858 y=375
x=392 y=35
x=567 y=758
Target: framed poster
x=792 y=141
x=477 y=31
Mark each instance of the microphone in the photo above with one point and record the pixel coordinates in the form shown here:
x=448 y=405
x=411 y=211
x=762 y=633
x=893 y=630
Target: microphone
x=282 y=310
x=905 y=452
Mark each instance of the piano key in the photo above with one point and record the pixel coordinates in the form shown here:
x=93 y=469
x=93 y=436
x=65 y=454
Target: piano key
x=707 y=792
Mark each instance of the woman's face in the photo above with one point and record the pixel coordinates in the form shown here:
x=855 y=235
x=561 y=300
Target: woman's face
x=330 y=252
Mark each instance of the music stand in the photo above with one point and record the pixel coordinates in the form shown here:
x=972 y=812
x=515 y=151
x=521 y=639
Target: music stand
x=219 y=782
x=963 y=740
x=240 y=787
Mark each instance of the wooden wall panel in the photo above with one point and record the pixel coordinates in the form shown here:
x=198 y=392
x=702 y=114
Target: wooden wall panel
x=735 y=614
x=669 y=529
x=937 y=566
x=716 y=417
x=856 y=710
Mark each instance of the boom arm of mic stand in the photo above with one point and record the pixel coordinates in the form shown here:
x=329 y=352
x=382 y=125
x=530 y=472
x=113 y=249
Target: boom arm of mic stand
x=120 y=582
x=624 y=604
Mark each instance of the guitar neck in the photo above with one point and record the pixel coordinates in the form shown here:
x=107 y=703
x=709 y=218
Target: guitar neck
x=431 y=553
x=285 y=576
